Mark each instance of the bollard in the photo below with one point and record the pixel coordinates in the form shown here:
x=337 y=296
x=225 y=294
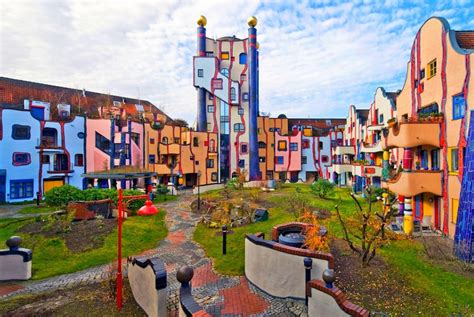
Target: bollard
x=224 y=239
x=308 y=265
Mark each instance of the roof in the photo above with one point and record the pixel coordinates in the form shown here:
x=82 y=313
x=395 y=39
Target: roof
x=127 y=172
x=320 y=123
x=465 y=39
x=363 y=113
x=14 y=91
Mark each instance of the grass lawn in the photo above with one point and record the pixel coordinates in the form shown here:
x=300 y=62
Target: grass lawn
x=38 y=210
x=443 y=292
x=52 y=257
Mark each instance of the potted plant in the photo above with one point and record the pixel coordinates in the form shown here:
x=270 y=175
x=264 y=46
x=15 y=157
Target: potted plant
x=417 y=165
x=391 y=122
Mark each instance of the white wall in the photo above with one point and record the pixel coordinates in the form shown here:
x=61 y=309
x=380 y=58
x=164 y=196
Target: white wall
x=322 y=304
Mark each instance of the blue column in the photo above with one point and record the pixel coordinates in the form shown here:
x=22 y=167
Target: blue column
x=112 y=142
x=201 y=92
x=254 y=173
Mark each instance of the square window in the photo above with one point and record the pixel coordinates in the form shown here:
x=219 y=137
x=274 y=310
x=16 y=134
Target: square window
x=21 y=158
x=151 y=158
x=324 y=158
x=152 y=141
x=304 y=160
x=217 y=83
x=245 y=96
x=279 y=160
x=20 y=132
x=79 y=160
x=21 y=188
x=243 y=77
x=44 y=159
x=210 y=108
x=281 y=145
x=210 y=163
x=239 y=127
x=432 y=67
x=176 y=140
x=209 y=53
x=244 y=148
x=241 y=111
x=242 y=163
x=214 y=177
x=459 y=106
x=225 y=55
x=200 y=72
x=211 y=97
x=305 y=144
x=293 y=146
x=196 y=162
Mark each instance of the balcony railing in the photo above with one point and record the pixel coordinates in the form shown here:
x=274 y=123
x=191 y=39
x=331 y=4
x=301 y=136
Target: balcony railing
x=412 y=134
x=413 y=183
x=343 y=149
x=366 y=170
x=341 y=168
x=372 y=148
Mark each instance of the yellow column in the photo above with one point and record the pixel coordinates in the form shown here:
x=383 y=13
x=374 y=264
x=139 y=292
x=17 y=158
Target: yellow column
x=408 y=217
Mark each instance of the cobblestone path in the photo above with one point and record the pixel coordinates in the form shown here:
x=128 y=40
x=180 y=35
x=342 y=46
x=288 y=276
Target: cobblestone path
x=219 y=295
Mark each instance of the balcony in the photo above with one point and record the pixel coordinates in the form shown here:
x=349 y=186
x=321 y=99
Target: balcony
x=412 y=134
x=342 y=149
x=372 y=148
x=166 y=149
x=413 y=183
x=342 y=168
x=366 y=170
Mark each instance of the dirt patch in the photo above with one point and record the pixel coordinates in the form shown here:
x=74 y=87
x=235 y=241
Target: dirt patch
x=439 y=252
x=79 y=236
x=377 y=287
x=88 y=300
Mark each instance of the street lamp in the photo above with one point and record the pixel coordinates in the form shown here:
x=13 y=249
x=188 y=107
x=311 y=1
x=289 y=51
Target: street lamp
x=199 y=192
x=148 y=209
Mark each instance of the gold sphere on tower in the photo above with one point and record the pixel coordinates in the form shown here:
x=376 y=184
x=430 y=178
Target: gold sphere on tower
x=252 y=21
x=258 y=45
x=202 y=21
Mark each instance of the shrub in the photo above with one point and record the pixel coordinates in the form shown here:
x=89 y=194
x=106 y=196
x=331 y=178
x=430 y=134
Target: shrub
x=323 y=188
x=62 y=195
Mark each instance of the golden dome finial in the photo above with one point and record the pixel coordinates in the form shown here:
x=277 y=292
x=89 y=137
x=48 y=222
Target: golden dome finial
x=252 y=21
x=258 y=45
x=202 y=21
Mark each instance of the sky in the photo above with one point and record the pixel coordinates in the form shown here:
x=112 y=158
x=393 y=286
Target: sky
x=316 y=57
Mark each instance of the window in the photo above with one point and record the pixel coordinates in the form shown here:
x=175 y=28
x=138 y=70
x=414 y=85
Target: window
x=304 y=160
x=459 y=104
x=196 y=162
x=279 y=160
x=245 y=96
x=195 y=141
x=282 y=176
x=269 y=174
x=21 y=158
x=210 y=163
x=21 y=188
x=20 y=132
x=209 y=126
x=380 y=118
x=324 y=158
x=214 y=177
x=176 y=140
x=422 y=73
x=217 y=83
x=305 y=144
x=293 y=146
x=432 y=68
x=102 y=143
x=200 y=72
x=210 y=108
x=454 y=211
x=243 y=77
x=241 y=163
x=135 y=138
x=261 y=159
x=118 y=148
x=259 y=130
x=211 y=97
x=241 y=111
x=244 y=148
x=151 y=158
x=453 y=166
x=239 y=127
x=225 y=55
x=225 y=72
x=232 y=94
x=79 y=160
x=320 y=145
x=261 y=145
x=281 y=145
x=44 y=159
x=152 y=141
x=424 y=159
x=209 y=53
x=212 y=146
x=49 y=137
x=164 y=140
x=243 y=58
x=435 y=159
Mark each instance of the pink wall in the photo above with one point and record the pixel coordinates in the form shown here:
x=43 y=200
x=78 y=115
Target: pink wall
x=291 y=159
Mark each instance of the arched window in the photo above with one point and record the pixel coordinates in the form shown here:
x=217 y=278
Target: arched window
x=164 y=140
x=225 y=72
x=243 y=58
x=262 y=145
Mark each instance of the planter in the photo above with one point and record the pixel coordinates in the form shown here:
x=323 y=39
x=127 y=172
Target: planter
x=292 y=239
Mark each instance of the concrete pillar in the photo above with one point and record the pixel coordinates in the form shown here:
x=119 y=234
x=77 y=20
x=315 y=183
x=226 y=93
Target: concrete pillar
x=408 y=217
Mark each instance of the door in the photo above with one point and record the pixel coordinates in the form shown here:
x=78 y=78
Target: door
x=3 y=177
x=49 y=184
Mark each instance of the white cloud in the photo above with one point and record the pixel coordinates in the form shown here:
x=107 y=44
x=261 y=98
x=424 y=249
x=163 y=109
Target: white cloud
x=315 y=59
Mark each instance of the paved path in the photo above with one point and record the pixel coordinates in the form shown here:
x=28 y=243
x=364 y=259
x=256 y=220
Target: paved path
x=219 y=295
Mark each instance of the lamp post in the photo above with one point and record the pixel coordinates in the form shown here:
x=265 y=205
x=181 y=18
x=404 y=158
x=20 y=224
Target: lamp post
x=148 y=209
x=199 y=191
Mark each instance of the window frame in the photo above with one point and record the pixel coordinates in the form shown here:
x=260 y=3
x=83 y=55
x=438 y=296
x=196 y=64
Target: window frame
x=282 y=146
x=211 y=109
x=28 y=132
x=151 y=159
x=225 y=56
x=210 y=163
x=432 y=68
x=242 y=145
x=293 y=146
x=200 y=72
x=279 y=160
x=15 y=159
x=461 y=111
x=79 y=158
x=15 y=190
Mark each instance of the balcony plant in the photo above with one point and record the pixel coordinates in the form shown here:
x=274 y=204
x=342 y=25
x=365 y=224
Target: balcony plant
x=417 y=165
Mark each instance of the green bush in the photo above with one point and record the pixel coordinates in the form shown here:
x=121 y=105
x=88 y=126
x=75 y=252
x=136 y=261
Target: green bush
x=323 y=188
x=162 y=189
x=60 y=196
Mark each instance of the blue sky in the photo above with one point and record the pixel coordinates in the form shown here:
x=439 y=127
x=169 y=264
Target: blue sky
x=316 y=58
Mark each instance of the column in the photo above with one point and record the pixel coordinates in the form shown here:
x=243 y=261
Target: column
x=201 y=92
x=254 y=172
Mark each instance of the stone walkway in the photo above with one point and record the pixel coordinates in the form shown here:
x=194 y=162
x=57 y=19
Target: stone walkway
x=219 y=295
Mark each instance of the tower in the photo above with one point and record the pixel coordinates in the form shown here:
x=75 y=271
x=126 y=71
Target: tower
x=201 y=92
x=254 y=172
